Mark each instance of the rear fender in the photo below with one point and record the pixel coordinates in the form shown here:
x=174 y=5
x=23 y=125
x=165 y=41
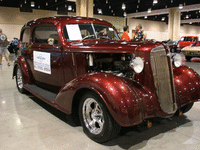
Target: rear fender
x=20 y=62
x=123 y=98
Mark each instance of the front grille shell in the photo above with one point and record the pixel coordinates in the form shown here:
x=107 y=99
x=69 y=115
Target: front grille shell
x=163 y=79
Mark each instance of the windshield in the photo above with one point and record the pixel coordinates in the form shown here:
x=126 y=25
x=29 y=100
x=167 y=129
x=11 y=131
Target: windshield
x=186 y=39
x=84 y=31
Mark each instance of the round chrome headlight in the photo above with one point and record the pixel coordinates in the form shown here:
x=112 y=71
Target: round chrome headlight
x=137 y=64
x=177 y=60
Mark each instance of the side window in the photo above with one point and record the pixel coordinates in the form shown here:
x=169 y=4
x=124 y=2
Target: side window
x=26 y=36
x=45 y=34
x=195 y=39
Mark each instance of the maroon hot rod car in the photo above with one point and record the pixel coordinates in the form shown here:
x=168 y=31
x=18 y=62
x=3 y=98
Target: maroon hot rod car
x=79 y=66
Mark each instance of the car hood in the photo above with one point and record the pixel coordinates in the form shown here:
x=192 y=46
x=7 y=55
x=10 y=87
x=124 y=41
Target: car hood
x=109 y=46
x=191 y=48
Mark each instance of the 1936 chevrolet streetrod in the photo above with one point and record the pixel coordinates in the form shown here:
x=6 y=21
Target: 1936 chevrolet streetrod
x=79 y=66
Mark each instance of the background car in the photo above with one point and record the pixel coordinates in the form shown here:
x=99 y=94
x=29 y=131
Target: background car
x=192 y=51
x=172 y=46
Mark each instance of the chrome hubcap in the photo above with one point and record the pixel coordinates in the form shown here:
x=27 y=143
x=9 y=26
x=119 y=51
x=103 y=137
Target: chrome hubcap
x=19 y=79
x=93 y=116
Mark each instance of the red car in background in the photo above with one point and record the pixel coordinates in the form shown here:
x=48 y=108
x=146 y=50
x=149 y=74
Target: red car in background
x=104 y=82
x=186 y=41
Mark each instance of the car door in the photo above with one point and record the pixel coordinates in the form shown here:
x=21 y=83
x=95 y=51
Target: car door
x=46 y=58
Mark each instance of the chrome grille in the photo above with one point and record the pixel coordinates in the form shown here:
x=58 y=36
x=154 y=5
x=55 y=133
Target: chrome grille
x=161 y=73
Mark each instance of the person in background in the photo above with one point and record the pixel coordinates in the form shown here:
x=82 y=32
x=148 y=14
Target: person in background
x=15 y=45
x=125 y=36
x=3 y=47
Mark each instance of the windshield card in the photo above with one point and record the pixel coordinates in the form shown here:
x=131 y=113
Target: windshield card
x=74 y=32
x=41 y=62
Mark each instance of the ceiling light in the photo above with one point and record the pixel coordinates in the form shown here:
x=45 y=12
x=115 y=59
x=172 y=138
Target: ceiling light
x=109 y=7
x=123 y=6
x=99 y=11
x=106 y=1
x=163 y=18
x=145 y=17
x=24 y=1
x=55 y=1
x=190 y=22
x=32 y=4
x=138 y=1
x=171 y=1
x=69 y=7
x=56 y=8
x=137 y=6
x=65 y=5
x=114 y=14
x=20 y=5
x=111 y=11
x=149 y=10
x=155 y=1
x=125 y=14
x=187 y=16
x=180 y=6
x=39 y=6
x=46 y=3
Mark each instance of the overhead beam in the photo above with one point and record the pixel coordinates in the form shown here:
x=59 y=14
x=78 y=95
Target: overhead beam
x=190 y=20
x=163 y=11
x=145 y=13
x=189 y=8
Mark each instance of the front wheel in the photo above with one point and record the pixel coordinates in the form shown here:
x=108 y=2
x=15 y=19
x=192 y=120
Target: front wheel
x=19 y=81
x=185 y=108
x=95 y=119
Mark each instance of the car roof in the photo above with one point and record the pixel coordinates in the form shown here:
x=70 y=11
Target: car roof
x=68 y=20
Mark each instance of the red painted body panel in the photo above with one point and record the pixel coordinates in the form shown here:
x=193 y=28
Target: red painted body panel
x=129 y=101
x=123 y=98
x=187 y=84
x=21 y=62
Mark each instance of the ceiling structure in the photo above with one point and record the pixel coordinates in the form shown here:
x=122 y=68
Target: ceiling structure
x=114 y=7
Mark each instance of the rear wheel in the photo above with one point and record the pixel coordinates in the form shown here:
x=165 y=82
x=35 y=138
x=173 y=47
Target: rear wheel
x=19 y=81
x=95 y=119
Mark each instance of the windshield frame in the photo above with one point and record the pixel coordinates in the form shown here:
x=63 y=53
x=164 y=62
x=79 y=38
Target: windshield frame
x=66 y=34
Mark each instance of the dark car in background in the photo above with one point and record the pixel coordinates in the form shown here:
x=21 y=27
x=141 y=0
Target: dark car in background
x=172 y=46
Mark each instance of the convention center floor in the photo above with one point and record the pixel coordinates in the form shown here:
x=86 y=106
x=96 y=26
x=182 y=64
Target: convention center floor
x=27 y=123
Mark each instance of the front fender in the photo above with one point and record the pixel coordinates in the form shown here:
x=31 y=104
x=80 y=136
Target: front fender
x=187 y=84
x=123 y=98
x=20 y=62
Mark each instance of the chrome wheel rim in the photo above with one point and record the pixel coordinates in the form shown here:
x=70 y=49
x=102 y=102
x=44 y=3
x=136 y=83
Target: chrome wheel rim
x=93 y=116
x=19 y=79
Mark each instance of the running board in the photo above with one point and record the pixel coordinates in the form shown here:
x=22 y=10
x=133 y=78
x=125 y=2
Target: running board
x=40 y=92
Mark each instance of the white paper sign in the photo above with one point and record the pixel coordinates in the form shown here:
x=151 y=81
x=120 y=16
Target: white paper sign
x=42 y=62
x=74 y=32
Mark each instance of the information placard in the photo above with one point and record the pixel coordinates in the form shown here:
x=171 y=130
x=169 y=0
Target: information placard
x=42 y=61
